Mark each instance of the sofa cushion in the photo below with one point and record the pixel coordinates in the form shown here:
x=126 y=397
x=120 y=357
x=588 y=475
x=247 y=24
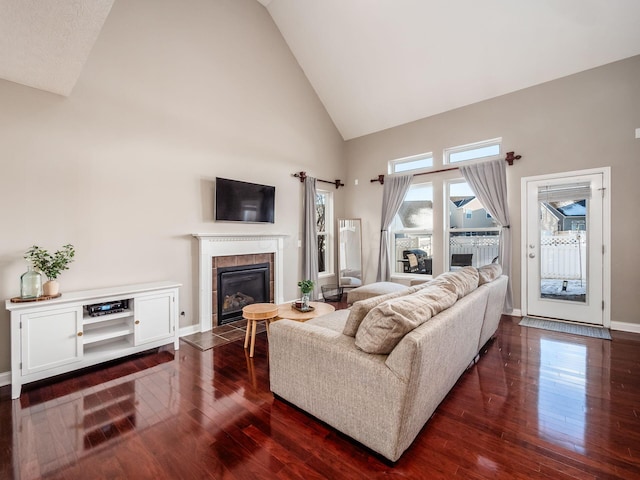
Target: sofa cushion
x=333 y=321
x=373 y=290
x=385 y=325
x=488 y=273
x=360 y=309
x=464 y=280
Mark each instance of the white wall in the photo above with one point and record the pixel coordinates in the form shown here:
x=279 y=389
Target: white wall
x=174 y=94
x=582 y=121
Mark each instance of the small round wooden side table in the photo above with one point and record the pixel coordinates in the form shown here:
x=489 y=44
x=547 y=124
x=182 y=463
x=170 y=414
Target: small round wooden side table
x=255 y=313
x=286 y=310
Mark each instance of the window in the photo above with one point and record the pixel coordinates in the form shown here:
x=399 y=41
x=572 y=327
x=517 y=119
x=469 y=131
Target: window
x=473 y=233
x=324 y=227
x=411 y=164
x=473 y=151
x=412 y=229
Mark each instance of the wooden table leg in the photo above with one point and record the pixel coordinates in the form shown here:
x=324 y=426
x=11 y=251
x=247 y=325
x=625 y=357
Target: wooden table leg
x=246 y=335
x=253 y=337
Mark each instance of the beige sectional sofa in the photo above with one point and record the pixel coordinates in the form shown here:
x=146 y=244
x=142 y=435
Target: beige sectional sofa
x=378 y=370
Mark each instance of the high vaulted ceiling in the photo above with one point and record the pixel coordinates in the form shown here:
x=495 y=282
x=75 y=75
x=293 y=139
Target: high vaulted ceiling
x=374 y=64
x=44 y=44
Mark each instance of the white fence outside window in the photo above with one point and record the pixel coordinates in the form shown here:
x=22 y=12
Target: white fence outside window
x=483 y=247
x=564 y=256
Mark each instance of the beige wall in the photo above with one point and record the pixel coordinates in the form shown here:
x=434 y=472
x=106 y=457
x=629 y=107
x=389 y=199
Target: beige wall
x=578 y=122
x=174 y=94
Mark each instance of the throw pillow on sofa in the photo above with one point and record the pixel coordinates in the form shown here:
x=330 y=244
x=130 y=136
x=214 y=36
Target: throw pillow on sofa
x=464 y=280
x=488 y=273
x=385 y=325
x=361 y=308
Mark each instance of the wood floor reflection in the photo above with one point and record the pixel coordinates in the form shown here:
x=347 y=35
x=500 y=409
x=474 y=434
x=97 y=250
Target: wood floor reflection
x=538 y=404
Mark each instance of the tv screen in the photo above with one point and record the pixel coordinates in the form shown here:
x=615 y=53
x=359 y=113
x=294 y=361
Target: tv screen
x=244 y=202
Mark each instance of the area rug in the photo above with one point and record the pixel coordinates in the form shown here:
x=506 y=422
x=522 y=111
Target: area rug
x=565 y=327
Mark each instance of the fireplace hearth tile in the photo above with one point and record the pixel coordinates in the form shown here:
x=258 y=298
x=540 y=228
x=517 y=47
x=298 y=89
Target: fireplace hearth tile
x=231 y=332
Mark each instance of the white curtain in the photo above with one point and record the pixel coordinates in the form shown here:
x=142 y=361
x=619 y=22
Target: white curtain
x=395 y=189
x=310 y=246
x=488 y=180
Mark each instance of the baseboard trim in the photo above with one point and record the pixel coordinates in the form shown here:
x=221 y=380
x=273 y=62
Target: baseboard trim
x=625 y=327
x=191 y=329
x=5 y=379
x=516 y=312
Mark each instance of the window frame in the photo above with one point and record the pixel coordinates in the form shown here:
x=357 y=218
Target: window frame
x=328 y=233
x=446 y=240
x=392 y=164
x=446 y=160
x=410 y=231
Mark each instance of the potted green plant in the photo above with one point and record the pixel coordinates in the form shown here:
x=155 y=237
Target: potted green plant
x=50 y=265
x=306 y=287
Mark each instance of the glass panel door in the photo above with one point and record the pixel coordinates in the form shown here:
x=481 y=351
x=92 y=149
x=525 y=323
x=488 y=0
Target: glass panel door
x=564 y=241
x=564 y=248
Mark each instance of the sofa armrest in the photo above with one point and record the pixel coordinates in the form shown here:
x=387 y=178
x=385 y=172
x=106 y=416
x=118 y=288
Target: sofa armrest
x=322 y=372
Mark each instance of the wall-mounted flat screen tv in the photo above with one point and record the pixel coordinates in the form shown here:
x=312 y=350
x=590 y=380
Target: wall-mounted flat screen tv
x=244 y=202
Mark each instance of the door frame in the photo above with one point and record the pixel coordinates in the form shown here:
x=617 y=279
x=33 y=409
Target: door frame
x=606 y=235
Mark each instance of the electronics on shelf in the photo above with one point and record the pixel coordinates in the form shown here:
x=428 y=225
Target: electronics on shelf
x=98 y=309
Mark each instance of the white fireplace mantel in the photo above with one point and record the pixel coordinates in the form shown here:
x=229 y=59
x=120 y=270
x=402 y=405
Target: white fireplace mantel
x=217 y=245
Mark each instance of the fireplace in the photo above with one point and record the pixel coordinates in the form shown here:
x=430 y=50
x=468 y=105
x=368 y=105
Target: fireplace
x=239 y=286
x=225 y=250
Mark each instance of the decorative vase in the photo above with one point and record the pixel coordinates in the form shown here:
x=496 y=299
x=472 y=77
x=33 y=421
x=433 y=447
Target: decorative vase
x=52 y=287
x=305 y=300
x=30 y=284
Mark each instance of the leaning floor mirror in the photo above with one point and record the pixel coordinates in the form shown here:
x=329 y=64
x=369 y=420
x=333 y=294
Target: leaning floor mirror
x=350 y=252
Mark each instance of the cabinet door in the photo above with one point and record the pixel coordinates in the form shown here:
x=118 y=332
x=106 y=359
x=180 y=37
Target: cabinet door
x=50 y=339
x=154 y=317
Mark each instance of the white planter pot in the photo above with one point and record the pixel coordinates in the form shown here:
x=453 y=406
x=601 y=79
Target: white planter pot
x=52 y=287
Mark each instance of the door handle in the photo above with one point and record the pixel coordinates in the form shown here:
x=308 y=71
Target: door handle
x=532 y=255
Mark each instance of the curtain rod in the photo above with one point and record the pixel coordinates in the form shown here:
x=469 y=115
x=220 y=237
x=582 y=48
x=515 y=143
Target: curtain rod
x=303 y=175
x=511 y=156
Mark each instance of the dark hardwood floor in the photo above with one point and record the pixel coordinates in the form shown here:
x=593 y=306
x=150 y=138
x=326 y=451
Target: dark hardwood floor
x=538 y=404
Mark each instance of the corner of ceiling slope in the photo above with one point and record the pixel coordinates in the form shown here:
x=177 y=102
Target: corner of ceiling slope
x=47 y=44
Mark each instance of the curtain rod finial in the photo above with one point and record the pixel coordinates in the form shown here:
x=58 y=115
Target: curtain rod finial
x=379 y=179
x=511 y=156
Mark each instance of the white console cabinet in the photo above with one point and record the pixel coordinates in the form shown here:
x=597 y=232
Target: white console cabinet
x=57 y=336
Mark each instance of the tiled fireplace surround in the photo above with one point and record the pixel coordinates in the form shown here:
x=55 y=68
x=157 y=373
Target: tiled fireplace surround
x=218 y=250
x=237 y=261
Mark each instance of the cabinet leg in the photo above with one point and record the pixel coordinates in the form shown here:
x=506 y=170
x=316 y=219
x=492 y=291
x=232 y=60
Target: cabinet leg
x=15 y=390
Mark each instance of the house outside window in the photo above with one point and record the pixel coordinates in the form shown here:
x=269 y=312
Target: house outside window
x=473 y=234
x=324 y=229
x=412 y=231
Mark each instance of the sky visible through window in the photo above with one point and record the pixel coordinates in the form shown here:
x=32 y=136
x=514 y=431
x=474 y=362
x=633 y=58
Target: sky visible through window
x=480 y=152
x=461 y=189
